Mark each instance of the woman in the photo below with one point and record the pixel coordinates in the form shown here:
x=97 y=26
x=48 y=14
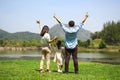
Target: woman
x=45 y=42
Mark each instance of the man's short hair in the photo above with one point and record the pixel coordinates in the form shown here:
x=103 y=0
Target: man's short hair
x=71 y=23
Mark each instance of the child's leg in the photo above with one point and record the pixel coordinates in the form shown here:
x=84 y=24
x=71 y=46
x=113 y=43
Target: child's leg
x=59 y=67
x=59 y=58
x=55 y=59
x=59 y=62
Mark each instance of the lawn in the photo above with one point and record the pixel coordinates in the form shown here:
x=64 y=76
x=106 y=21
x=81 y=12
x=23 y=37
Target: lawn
x=28 y=70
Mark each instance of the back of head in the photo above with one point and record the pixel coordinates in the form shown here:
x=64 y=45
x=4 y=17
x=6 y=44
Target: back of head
x=59 y=44
x=71 y=23
x=45 y=29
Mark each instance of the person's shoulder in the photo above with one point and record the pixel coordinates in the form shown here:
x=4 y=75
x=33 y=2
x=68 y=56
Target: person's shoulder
x=61 y=24
x=79 y=25
x=47 y=34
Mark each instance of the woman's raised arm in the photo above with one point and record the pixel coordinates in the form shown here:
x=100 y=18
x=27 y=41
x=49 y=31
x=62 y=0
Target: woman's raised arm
x=39 y=24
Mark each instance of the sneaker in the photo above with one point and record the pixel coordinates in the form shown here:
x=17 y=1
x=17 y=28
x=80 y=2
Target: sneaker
x=41 y=70
x=59 y=70
x=47 y=70
x=60 y=66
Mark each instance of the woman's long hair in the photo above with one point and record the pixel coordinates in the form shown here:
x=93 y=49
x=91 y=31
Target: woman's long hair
x=45 y=29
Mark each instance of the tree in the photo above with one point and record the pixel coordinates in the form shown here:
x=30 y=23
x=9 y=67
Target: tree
x=84 y=44
x=5 y=42
x=95 y=35
x=111 y=33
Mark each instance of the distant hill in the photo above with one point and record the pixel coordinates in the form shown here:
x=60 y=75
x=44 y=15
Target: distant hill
x=82 y=34
x=19 y=35
x=54 y=31
x=4 y=34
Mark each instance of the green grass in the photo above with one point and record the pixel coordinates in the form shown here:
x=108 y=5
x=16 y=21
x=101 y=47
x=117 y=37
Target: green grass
x=28 y=70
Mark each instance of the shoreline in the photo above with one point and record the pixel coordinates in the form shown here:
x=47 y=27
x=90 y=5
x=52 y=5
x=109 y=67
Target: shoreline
x=99 y=50
x=80 y=49
x=19 y=48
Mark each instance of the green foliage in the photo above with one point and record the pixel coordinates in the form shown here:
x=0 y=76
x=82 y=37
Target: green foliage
x=5 y=42
x=95 y=43
x=95 y=35
x=25 y=43
x=111 y=32
x=29 y=70
x=84 y=44
x=19 y=43
x=102 y=45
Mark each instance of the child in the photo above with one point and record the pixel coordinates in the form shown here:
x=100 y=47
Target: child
x=45 y=42
x=58 y=56
x=71 y=41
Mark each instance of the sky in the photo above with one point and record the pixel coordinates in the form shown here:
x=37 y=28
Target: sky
x=21 y=15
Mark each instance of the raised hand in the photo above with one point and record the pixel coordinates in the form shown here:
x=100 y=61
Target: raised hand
x=38 y=21
x=86 y=15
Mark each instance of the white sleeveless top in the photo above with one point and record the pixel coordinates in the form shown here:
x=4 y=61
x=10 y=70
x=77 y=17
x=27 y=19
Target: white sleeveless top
x=45 y=39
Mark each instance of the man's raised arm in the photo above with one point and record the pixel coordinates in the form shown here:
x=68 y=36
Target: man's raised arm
x=86 y=16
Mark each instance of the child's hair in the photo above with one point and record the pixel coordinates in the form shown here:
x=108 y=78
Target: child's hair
x=59 y=44
x=45 y=29
x=71 y=23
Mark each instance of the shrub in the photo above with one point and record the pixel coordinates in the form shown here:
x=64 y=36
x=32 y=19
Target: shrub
x=102 y=45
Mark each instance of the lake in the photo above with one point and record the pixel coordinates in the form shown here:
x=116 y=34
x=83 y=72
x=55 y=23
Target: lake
x=113 y=58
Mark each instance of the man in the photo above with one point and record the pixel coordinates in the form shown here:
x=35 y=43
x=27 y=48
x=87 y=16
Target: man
x=71 y=41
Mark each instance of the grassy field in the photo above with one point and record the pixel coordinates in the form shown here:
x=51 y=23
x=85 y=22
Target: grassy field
x=28 y=70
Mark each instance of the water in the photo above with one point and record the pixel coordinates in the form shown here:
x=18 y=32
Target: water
x=113 y=58
x=19 y=55
x=83 y=56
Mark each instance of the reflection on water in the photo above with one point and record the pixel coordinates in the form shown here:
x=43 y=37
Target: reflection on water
x=113 y=58
x=96 y=57
x=19 y=55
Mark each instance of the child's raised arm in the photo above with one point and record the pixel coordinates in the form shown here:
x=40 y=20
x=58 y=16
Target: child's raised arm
x=86 y=16
x=57 y=19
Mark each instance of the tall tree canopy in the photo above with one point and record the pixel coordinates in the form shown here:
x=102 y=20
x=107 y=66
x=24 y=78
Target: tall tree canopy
x=111 y=32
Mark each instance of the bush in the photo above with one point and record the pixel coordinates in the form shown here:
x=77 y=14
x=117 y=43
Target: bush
x=102 y=45
x=84 y=44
